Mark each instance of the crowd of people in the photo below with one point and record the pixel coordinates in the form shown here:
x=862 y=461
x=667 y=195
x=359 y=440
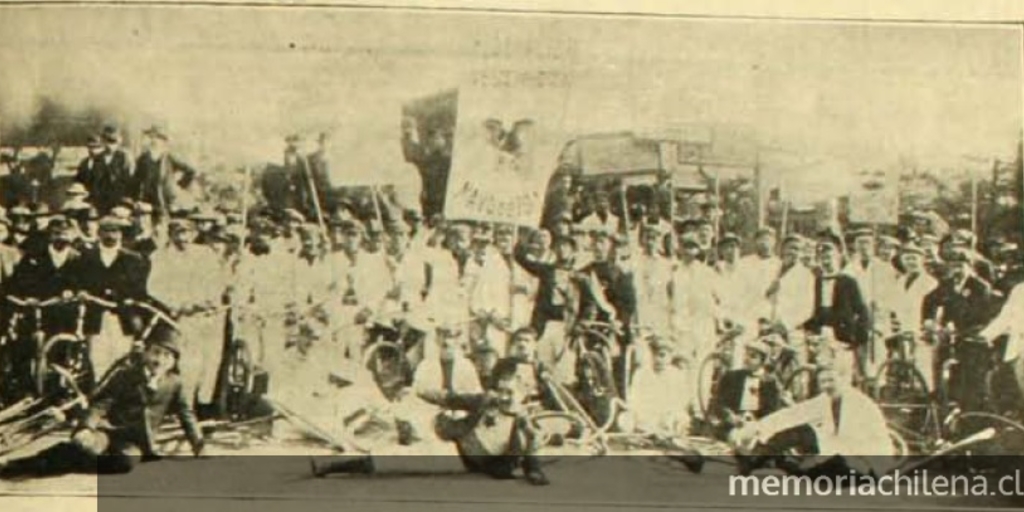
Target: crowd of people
x=504 y=309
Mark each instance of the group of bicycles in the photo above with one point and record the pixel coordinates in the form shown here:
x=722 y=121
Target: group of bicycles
x=972 y=391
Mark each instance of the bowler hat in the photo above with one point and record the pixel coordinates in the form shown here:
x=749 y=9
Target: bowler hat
x=111 y=135
x=165 y=337
x=156 y=132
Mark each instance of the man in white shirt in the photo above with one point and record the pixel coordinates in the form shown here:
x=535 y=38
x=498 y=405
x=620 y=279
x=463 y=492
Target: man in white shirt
x=876 y=280
x=189 y=279
x=762 y=267
x=695 y=303
x=790 y=298
x=660 y=393
x=652 y=272
x=908 y=302
x=841 y=431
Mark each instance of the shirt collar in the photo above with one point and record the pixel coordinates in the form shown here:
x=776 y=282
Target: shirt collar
x=58 y=257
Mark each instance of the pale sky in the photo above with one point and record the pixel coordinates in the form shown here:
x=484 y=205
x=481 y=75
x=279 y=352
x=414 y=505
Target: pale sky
x=830 y=96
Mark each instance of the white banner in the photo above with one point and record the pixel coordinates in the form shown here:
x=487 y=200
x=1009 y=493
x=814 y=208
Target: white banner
x=506 y=145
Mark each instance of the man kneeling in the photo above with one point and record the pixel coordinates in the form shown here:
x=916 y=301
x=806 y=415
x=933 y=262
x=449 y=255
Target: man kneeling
x=494 y=439
x=118 y=427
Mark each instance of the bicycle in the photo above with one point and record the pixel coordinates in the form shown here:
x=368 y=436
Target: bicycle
x=19 y=348
x=29 y=420
x=714 y=366
x=389 y=354
x=134 y=356
x=69 y=351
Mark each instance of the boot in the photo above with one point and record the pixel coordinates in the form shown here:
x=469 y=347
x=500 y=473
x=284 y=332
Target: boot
x=354 y=464
x=534 y=474
x=747 y=464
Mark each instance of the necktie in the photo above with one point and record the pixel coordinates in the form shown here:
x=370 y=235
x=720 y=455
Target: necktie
x=836 y=408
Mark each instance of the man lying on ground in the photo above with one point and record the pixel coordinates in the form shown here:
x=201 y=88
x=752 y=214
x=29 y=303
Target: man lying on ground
x=494 y=439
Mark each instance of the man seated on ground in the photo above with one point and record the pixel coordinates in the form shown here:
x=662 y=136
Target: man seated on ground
x=494 y=439
x=746 y=394
x=839 y=432
x=660 y=394
x=118 y=427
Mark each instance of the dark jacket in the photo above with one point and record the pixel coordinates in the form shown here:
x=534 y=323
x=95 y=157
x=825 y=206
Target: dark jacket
x=126 y=278
x=131 y=412
x=461 y=430
x=619 y=290
x=108 y=182
x=848 y=316
x=320 y=168
x=730 y=394
x=37 y=277
x=968 y=309
x=155 y=180
x=556 y=293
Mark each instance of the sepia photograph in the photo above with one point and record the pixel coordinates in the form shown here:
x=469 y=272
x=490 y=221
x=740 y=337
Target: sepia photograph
x=414 y=258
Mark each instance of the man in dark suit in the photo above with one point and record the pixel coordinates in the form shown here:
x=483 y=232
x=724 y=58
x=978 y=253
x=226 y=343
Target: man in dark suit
x=320 y=167
x=839 y=305
x=49 y=273
x=608 y=293
x=962 y=298
x=159 y=175
x=743 y=396
x=119 y=426
x=115 y=274
x=110 y=178
x=748 y=393
x=86 y=174
x=556 y=295
x=966 y=302
x=298 y=176
x=41 y=275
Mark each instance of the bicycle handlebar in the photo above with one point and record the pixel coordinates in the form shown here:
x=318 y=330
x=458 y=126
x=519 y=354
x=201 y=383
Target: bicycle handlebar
x=87 y=298
x=33 y=302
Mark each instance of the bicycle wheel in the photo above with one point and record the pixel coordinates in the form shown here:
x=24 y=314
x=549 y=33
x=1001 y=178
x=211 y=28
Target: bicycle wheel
x=903 y=395
x=71 y=354
x=901 y=449
x=1009 y=438
x=386 y=362
x=710 y=372
x=802 y=384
